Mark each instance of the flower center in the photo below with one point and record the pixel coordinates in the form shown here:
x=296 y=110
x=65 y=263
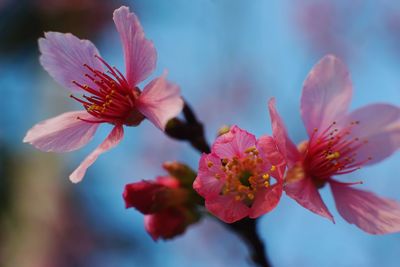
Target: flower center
x=332 y=152
x=245 y=175
x=112 y=100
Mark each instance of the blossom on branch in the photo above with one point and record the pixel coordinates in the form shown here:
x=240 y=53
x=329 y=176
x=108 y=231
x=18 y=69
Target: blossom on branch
x=340 y=142
x=109 y=96
x=241 y=176
x=169 y=205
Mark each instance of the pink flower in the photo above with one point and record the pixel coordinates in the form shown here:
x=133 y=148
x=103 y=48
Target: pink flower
x=236 y=178
x=110 y=96
x=167 y=206
x=340 y=142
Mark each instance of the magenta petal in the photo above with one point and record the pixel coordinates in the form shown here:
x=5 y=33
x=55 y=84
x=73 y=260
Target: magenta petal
x=140 y=54
x=266 y=200
x=306 y=194
x=227 y=208
x=285 y=145
x=63 y=56
x=234 y=143
x=160 y=101
x=379 y=125
x=268 y=150
x=111 y=141
x=165 y=224
x=62 y=133
x=206 y=183
x=366 y=210
x=326 y=94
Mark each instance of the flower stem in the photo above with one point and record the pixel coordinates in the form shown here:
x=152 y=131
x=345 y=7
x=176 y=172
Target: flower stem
x=247 y=230
x=190 y=130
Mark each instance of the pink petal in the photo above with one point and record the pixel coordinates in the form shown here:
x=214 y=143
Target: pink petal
x=268 y=149
x=206 y=183
x=379 y=124
x=326 y=94
x=63 y=133
x=165 y=224
x=140 y=54
x=306 y=194
x=140 y=195
x=63 y=56
x=285 y=145
x=227 y=209
x=111 y=141
x=160 y=101
x=366 y=210
x=234 y=143
x=266 y=200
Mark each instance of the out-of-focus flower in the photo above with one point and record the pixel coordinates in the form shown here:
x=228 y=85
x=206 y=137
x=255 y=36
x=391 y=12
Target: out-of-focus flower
x=168 y=204
x=112 y=97
x=339 y=143
x=241 y=176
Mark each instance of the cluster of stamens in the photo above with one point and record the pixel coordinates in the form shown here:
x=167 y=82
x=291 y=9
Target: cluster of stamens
x=333 y=152
x=245 y=175
x=112 y=100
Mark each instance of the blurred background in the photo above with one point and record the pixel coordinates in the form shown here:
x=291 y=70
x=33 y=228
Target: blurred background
x=229 y=57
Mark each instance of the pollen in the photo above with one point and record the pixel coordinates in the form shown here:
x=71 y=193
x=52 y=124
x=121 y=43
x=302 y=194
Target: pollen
x=334 y=155
x=110 y=97
x=245 y=175
x=332 y=151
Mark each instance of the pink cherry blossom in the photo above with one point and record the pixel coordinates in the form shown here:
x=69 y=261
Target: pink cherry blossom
x=241 y=176
x=340 y=142
x=167 y=206
x=108 y=95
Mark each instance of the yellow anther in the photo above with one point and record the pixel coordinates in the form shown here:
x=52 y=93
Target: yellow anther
x=273 y=168
x=224 y=161
x=334 y=155
x=266 y=184
x=210 y=164
x=250 y=196
x=266 y=176
x=242 y=188
x=250 y=149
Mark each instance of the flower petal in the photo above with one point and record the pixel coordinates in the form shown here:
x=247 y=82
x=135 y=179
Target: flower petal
x=141 y=195
x=366 y=210
x=227 y=209
x=63 y=133
x=379 y=125
x=160 y=101
x=63 y=56
x=111 y=141
x=306 y=194
x=233 y=143
x=266 y=200
x=165 y=224
x=206 y=183
x=140 y=54
x=268 y=150
x=326 y=94
x=285 y=145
